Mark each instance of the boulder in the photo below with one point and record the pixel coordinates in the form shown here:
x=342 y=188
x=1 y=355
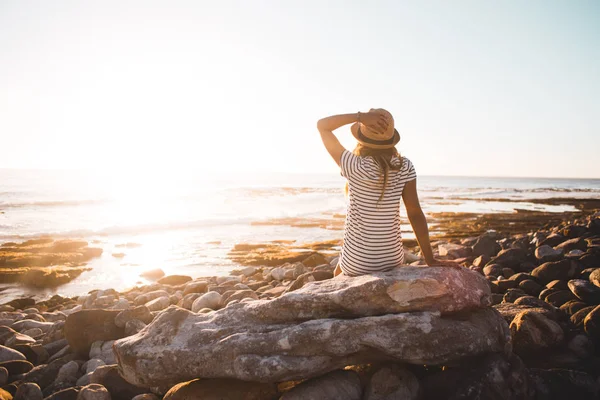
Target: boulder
x=555 y=270
x=221 y=389
x=321 y=327
x=84 y=327
x=332 y=386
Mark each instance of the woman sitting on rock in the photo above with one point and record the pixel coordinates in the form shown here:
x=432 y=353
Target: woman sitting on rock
x=377 y=177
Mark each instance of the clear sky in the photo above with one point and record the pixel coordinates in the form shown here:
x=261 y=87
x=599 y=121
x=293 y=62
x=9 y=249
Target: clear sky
x=489 y=88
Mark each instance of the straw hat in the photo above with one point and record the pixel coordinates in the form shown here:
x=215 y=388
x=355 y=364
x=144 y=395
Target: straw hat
x=373 y=137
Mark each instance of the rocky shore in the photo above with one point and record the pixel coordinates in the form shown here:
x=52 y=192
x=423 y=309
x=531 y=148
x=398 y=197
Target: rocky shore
x=520 y=319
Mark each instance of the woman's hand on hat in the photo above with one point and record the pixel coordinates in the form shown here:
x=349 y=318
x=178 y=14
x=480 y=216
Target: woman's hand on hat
x=375 y=121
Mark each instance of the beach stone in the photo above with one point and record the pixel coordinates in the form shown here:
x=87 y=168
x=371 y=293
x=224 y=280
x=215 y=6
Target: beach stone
x=196 y=287
x=313 y=260
x=574 y=231
x=532 y=331
x=454 y=250
x=558 y=285
x=513 y=294
x=592 y=323
x=134 y=326
x=553 y=270
x=489 y=377
x=153 y=274
x=309 y=277
x=590 y=260
x=562 y=384
x=87 y=326
x=65 y=394
x=546 y=253
x=93 y=392
x=572 y=306
x=146 y=396
x=534 y=302
x=578 y=317
x=505 y=284
x=553 y=240
x=595 y=277
x=392 y=382
x=278 y=273
x=34 y=333
x=239 y=295
x=29 y=391
x=109 y=377
x=221 y=389
x=3 y=376
x=174 y=280
x=332 y=386
x=284 y=338
x=145 y=298
x=27 y=324
x=17 y=367
x=92 y=364
x=188 y=300
x=530 y=287
x=559 y=298
x=210 y=300
x=585 y=291
x=481 y=261
x=158 y=304
x=572 y=244
x=581 y=346
x=494 y=270
x=486 y=246
x=68 y=373
x=141 y=313
x=55 y=346
x=547 y=292
x=511 y=258
x=103 y=351
x=17 y=339
x=8 y=354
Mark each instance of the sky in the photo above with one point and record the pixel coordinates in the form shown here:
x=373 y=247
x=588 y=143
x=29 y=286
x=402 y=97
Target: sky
x=477 y=88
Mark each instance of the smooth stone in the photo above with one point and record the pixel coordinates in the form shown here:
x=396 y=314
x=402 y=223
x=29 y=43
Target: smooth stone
x=68 y=373
x=210 y=300
x=65 y=394
x=134 y=326
x=454 y=250
x=103 y=351
x=109 y=377
x=146 y=396
x=578 y=318
x=592 y=323
x=195 y=287
x=158 y=304
x=8 y=354
x=561 y=270
x=92 y=364
x=93 y=392
x=88 y=326
x=221 y=389
x=174 y=280
x=494 y=270
x=581 y=345
x=572 y=244
x=511 y=258
x=17 y=367
x=546 y=253
x=585 y=291
x=19 y=338
x=141 y=313
x=146 y=297
x=25 y=324
x=572 y=306
x=332 y=386
x=558 y=285
x=530 y=287
x=595 y=277
x=559 y=298
x=278 y=273
x=392 y=382
x=513 y=294
x=532 y=331
x=3 y=376
x=486 y=246
x=153 y=274
x=29 y=391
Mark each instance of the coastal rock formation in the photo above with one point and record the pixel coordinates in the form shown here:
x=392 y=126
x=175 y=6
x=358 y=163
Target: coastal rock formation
x=411 y=314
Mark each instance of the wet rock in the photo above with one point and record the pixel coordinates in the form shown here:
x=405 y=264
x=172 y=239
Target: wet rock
x=210 y=300
x=332 y=386
x=562 y=384
x=321 y=315
x=88 y=326
x=29 y=391
x=141 y=313
x=492 y=377
x=174 y=280
x=546 y=253
x=561 y=270
x=533 y=331
x=392 y=382
x=221 y=389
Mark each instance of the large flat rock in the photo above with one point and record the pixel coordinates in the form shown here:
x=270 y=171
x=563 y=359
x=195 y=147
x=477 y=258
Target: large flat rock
x=414 y=314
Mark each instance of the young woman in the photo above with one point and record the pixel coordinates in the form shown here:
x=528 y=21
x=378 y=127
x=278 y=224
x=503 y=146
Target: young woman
x=377 y=177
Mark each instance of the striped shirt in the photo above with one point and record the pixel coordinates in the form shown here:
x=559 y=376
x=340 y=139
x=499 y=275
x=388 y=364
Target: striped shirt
x=372 y=237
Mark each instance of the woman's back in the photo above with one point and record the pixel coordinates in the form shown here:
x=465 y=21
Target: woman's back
x=372 y=236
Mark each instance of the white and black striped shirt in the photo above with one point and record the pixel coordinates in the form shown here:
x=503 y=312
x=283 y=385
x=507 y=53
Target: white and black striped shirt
x=372 y=237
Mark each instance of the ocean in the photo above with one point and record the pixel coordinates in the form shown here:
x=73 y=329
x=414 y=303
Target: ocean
x=186 y=223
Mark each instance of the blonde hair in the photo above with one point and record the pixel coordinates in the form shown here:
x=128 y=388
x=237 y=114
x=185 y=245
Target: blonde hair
x=383 y=158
